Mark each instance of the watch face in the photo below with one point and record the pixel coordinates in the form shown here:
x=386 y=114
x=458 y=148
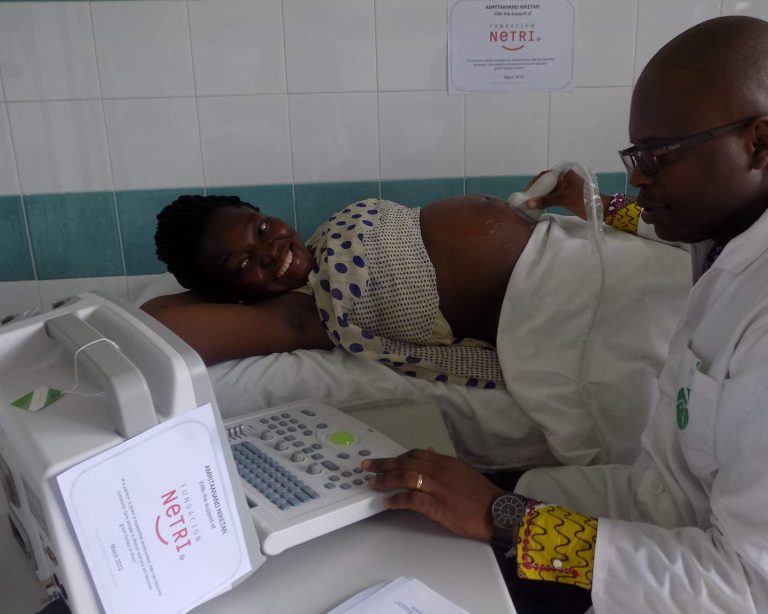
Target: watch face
x=508 y=510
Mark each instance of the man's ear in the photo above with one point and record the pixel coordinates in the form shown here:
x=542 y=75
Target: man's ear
x=760 y=143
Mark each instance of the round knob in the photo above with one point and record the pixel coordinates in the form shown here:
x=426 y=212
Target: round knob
x=342 y=438
x=314 y=468
x=297 y=457
x=281 y=445
x=266 y=435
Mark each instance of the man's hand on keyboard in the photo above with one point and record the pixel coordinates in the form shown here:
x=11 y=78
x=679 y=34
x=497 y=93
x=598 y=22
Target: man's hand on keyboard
x=445 y=489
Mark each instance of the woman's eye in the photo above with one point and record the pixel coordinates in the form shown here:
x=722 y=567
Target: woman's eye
x=263 y=227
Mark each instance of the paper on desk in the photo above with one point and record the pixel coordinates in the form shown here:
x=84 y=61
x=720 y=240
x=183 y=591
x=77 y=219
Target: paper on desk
x=401 y=596
x=155 y=518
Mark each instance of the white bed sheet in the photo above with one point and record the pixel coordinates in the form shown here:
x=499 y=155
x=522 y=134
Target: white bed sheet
x=487 y=427
x=546 y=419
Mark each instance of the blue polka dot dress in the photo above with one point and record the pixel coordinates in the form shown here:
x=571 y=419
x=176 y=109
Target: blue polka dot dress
x=376 y=294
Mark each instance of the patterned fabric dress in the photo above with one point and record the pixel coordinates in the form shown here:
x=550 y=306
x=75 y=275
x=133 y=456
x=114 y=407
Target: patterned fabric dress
x=376 y=294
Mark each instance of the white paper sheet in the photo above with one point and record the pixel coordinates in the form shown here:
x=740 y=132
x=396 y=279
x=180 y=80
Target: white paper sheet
x=401 y=596
x=155 y=518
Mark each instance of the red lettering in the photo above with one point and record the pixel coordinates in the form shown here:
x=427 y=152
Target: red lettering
x=172 y=510
x=157 y=531
x=522 y=36
x=169 y=497
x=180 y=547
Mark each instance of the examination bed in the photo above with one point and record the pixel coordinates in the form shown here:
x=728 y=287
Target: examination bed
x=580 y=344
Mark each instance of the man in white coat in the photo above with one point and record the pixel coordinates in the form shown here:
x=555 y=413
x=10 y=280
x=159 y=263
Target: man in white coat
x=685 y=528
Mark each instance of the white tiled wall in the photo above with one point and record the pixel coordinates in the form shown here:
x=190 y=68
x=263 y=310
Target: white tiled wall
x=47 y=53
x=245 y=139
x=130 y=94
x=660 y=20
x=334 y=136
x=411 y=49
x=330 y=45
x=422 y=134
x=154 y=142
x=168 y=72
x=504 y=134
x=61 y=146
x=574 y=125
x=143 y=48
x=751 y=8
x=9 y=182
x=237 y=47
x=605 y=43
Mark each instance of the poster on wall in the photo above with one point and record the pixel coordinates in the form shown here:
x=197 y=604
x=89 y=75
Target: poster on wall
x=510 y=46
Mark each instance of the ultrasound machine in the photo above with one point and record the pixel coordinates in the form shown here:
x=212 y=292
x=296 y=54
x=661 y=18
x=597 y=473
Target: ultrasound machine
x=294 y=470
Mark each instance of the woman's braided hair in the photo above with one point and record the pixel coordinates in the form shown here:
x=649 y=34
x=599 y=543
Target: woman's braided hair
x=180 y=228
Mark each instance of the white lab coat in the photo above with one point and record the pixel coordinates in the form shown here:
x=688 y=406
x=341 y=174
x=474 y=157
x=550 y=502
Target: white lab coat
x=685 y=529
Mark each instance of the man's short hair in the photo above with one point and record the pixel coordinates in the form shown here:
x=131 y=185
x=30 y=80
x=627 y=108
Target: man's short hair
x=180 y=229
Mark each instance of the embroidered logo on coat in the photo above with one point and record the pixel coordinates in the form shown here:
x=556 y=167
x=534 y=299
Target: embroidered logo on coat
x=683 y=395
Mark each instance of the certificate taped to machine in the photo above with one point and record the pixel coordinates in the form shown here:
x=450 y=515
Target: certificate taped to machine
x=156 y=520
x=498 y=46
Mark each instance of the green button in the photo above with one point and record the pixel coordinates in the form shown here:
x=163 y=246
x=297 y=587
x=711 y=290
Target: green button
x=342 y=438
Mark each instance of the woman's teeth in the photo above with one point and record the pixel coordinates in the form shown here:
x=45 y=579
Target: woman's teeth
x=286 y=264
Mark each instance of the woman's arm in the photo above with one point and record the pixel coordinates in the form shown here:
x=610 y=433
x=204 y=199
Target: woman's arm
x=620 y=211
x=227 y=331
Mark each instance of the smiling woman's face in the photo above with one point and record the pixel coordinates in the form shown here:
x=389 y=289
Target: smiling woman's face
x=250 y=256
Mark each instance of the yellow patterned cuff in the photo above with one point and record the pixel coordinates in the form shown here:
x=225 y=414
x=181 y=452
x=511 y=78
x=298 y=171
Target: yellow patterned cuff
x=623 y=213
x=556 y=545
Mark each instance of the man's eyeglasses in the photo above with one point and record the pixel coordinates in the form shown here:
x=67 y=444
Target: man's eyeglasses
x=647 y=158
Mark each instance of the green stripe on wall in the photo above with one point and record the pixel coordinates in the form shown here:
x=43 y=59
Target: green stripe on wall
x=76 y=234
x=137 y=211
x=16 y=262
x=421 y=192
x=317 y=201
x=273 y=200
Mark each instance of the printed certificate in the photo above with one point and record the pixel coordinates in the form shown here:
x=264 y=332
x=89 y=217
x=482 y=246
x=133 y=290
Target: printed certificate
x=156 y=520
x=498 y=46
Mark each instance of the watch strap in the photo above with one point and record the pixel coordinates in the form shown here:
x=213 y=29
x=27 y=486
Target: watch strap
x=505 y=528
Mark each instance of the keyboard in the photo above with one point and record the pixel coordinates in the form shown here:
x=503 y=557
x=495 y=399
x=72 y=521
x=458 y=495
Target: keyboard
x=300 y=470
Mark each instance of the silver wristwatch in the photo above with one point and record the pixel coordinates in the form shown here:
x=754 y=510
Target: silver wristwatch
x=507 y=511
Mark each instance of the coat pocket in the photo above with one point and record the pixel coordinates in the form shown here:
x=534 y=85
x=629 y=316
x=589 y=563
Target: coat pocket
x=696 y=404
